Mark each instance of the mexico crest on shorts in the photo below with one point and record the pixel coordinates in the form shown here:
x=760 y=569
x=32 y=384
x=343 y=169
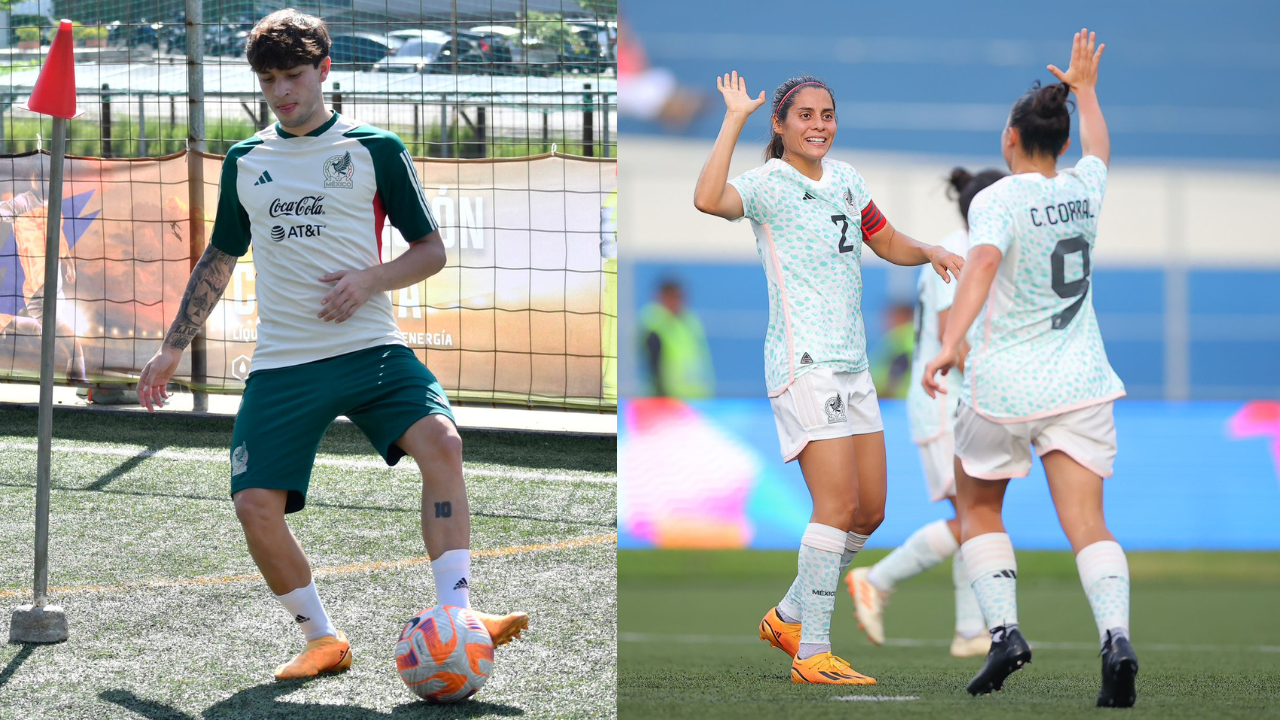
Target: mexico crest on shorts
x=338 y=171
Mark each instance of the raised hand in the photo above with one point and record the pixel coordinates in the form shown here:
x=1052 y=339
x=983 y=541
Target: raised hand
x=734 y=90
x=1083 y=71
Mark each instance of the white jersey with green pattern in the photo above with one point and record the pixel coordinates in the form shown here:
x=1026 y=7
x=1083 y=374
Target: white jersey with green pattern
x=930 y=418
x=1035 y=347
x=809 y=235
x=311 y=205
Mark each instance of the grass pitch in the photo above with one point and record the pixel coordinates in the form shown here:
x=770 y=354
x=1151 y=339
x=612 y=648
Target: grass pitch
x=169 y=620
x=1206 y=627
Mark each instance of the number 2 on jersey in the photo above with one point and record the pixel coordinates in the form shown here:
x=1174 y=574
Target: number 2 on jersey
x=843 y=222
x=1075 y=288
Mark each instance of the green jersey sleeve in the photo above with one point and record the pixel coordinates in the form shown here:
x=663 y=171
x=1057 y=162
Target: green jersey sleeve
x=398 y=184
x=231 y=232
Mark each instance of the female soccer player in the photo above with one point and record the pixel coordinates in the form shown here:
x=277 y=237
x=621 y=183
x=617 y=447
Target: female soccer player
x=811 y=216
x=1037 y=373
x=931 y=424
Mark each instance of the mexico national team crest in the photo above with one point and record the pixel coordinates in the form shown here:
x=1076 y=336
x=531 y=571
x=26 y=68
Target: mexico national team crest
x=848 y=197
x=338 y=171
x=835 y=410
x=240 y=459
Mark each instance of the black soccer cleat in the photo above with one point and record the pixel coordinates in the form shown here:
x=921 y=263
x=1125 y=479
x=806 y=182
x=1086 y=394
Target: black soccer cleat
x=1006 y=656
x=1119 y=668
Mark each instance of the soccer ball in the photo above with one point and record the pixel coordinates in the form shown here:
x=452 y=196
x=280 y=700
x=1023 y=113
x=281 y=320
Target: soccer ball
x=445 y=654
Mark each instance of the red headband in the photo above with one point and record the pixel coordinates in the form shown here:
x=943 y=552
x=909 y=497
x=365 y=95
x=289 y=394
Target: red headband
x=784 y=97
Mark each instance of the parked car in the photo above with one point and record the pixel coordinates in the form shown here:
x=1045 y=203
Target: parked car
x=412 y=56
x=358 y=51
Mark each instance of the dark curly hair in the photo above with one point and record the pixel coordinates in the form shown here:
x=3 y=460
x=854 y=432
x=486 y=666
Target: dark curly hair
x=286 y=39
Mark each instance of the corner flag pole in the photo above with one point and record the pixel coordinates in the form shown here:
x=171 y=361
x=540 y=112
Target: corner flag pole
x=55 y=95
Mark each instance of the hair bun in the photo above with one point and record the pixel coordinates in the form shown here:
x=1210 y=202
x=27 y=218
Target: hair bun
x=958 y=179
x=1050 y=100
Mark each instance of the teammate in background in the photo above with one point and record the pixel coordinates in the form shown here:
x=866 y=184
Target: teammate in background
x=891 y=356
x=811 y=216
x=931 y=425
x=1037 y=374
x=609 y=329
x=675 y=347
x=326 y=323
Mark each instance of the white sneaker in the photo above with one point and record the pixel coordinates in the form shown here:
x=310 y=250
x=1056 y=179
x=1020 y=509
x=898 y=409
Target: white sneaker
x=976 y=646
x=868 y=604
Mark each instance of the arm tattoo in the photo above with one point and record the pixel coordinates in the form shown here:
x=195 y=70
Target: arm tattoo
x=208 y=281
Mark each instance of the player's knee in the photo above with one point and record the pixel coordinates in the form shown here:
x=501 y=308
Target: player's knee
x=866 y=520
x=436 y=443
x=254 y=510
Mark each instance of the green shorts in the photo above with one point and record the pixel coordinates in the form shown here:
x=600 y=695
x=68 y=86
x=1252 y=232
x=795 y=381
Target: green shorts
x=285 y=412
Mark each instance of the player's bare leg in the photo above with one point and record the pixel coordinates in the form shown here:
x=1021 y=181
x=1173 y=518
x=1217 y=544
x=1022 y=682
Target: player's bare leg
x=284 y=566
x=434 y=443
x=1104 y=571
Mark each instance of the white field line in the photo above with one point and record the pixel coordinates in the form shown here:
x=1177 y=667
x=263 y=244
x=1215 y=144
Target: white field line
x=876 y=697
x=134 y=451
x=906 y=642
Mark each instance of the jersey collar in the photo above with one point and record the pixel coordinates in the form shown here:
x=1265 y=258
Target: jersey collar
x=314 y=133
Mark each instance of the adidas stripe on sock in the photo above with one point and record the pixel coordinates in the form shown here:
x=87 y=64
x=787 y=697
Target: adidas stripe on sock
x=452 y=571
x=993 y=575
x=1104 y=573
x=926 y=547
x=305 y=607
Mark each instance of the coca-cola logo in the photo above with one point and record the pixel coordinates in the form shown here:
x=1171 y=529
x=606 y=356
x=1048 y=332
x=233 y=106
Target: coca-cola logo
x=307 y=205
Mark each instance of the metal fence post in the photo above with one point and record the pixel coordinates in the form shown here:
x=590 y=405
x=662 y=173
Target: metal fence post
x=604 y=124
x=337 y=98
x=106 y=121
x=195 y=181
x=142 y=126
x=588 y=119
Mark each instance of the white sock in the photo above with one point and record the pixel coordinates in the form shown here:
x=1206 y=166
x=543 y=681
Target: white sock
x=1104 y=573
x=968 y=615
x=792 y=603
x=926 y=547
x=305 y=607
x=853 y=544
x=993 y=574
x=819 y=572
x=452 y=571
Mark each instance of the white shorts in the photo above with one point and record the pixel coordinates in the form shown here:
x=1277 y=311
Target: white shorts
x=939 y=459
x=995 y=451
x=823 y=404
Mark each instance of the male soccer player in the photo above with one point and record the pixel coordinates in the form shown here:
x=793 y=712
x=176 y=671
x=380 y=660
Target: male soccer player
x=312 y=193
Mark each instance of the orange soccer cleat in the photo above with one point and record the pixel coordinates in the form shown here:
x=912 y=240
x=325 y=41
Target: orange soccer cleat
x=827 y=669
x=504 y=628
x=779 y=633
x=329 y=654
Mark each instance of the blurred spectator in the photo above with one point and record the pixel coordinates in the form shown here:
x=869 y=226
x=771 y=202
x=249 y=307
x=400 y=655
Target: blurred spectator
x=891 y=360
x=675 y=347
x=649 y=93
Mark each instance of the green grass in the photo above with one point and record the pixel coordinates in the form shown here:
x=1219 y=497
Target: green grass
x=145 y=644
x=1206 y=627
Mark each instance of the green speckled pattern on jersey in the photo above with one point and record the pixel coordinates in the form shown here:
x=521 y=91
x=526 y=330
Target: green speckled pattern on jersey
x=1036 y=349
x=931 y=417
x=813 y=261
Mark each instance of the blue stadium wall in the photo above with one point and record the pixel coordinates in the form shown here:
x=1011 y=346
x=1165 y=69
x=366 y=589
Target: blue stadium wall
x=708 y=474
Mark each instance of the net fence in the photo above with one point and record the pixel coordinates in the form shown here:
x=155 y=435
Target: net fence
x=510 y=117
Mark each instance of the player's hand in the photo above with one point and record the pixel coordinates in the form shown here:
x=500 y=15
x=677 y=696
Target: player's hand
x=154 y=383
x=353 y=289
x=945 y=262
x=736 y=99
x=946 y=359
x=1082 y=74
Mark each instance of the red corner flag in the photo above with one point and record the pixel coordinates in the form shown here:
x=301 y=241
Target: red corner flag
x=55 y=91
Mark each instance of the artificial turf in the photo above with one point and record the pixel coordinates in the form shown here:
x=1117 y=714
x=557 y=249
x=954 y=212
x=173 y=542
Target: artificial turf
x=1206 y=628
x=149 y=563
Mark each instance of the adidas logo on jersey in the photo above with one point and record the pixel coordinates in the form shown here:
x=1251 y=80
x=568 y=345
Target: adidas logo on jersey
x=263 y=179
x=808 y=196
x=805 y=359
x=462 y=585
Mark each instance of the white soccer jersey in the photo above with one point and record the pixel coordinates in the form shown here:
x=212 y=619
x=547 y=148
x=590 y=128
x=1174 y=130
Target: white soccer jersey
x=809 y=235
x=312 y=205
x=1036 y=348
x=931 y=417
